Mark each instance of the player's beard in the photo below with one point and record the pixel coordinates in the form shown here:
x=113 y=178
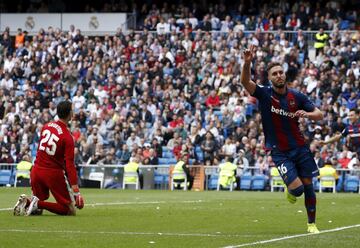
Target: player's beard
x=279 y=85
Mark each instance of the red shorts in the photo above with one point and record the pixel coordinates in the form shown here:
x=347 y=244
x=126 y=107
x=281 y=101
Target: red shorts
x=45 y=180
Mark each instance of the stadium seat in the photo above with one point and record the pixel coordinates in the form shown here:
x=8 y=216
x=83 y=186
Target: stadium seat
x=130 y=175
x=97 y=176
x=340 y=183
x=165 y=149
x=158 y=180
x=161 y=177
x=166 y=181
x=245 y=182
x=211 y=177
x=13 y=174
x=218 y=114
x=5 y=176
x=258 y=182
x=213 y=181
x=351 y=184
x=172 y=161
x=200 y=156
x=344 y=24
x=327 y=182
x=316 y=184
x=164 y=161
x=170 y=155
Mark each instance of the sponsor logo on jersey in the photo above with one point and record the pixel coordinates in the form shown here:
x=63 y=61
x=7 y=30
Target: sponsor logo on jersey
x=282 y=112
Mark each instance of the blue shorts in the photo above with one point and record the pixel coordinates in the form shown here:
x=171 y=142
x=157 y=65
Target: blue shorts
x=298 y=162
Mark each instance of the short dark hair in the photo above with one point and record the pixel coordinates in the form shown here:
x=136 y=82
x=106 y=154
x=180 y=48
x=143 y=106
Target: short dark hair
x=272 y=64
x=63 y=109
x=355 y=110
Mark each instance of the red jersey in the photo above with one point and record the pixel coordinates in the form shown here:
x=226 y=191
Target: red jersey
x=56 y=150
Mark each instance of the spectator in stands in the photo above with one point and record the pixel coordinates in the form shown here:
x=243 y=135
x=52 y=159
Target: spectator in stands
x=108 y=159
x=209 y=147
x=133 y=139
x=354 y=71
x=5 y=157
x=228 y=149
x=124 y=155
x=125 y=71
x=293 y=23
x=19 y=38
x=151 y=159
x=318 y=159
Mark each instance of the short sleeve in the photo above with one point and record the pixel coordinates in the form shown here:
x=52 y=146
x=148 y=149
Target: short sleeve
x=305 y=103
x=261 y=92
x=345 y=132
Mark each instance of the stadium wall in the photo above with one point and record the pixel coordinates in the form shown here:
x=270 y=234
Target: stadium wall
x=88 y=23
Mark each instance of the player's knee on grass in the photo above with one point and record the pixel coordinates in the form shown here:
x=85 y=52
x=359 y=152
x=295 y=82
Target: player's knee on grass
x=297 y=191
x=72 y=210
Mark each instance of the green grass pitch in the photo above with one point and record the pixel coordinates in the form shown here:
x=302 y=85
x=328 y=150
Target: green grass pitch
x=131 y=218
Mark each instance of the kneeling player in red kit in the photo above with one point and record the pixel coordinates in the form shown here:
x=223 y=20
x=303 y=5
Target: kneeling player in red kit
x=54 y=170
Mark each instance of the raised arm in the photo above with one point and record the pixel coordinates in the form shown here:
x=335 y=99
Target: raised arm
x=246 y=81
x=333 y=139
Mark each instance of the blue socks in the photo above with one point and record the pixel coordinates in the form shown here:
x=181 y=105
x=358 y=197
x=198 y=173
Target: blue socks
x=310 y=202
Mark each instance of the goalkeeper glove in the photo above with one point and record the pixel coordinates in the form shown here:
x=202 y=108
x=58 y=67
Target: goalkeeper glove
x=79 y=200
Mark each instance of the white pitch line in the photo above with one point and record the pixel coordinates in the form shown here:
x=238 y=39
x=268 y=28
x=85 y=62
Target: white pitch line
x=292 y=237
x=129 y=203
x=124 y=203
x=6 y=209
x=124 y=233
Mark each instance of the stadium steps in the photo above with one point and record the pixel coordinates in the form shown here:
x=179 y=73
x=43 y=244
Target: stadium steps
x=199 y=178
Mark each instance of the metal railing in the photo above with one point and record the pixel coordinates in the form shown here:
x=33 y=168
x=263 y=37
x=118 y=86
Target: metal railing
x=115 y=172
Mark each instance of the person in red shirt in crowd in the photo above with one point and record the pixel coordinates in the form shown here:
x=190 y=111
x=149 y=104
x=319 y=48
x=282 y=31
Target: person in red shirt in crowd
x=176 y=122
x=177 y=149
x=54 y=170
x=180 y=57
x=213 y=100
x=76 y=134
x=146 y=152
x=344 y=160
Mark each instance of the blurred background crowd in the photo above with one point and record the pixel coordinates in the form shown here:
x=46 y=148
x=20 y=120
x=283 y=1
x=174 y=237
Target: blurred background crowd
x=171 y=86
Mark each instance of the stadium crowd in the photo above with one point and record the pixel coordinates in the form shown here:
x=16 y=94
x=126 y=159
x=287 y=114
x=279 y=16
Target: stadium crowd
x=137 y=92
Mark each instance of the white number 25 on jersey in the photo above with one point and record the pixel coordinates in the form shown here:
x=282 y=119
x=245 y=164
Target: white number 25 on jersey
x=50 y=139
